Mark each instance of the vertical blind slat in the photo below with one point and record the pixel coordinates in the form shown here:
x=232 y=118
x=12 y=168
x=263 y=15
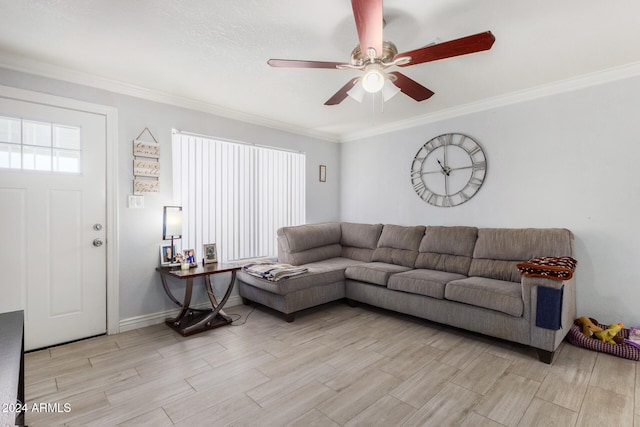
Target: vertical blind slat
x=235 y=195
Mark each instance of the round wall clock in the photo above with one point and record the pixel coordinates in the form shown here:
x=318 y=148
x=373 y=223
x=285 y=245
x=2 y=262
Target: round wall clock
x=448 y=170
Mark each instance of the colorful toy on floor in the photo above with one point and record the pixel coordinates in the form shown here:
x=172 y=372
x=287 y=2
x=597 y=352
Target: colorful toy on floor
x=610 y=334
x=589 y=326
x=591 y=329
x=577 y=337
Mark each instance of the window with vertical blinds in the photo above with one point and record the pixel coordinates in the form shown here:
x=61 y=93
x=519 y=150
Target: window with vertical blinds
x=236 y=195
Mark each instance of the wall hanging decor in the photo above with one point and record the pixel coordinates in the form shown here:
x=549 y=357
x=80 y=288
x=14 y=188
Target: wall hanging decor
x=448 y=170
x=323 y=173
x=146 y=164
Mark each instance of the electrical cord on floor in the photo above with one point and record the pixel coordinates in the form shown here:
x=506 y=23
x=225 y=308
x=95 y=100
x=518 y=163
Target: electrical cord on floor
x=233 y=322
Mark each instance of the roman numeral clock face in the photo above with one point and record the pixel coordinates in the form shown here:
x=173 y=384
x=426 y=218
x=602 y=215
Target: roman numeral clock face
x=448 y=170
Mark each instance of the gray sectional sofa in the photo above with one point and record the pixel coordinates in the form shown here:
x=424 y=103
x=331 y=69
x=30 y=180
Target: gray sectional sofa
x=459 y=276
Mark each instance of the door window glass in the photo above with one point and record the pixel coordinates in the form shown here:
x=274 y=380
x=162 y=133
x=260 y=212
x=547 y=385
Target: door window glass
x=39 y=146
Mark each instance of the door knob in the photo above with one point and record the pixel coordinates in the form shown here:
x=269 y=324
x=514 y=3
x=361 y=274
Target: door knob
x=97 y=243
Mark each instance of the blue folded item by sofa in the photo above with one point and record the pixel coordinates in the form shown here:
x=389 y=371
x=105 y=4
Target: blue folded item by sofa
x=549 y=308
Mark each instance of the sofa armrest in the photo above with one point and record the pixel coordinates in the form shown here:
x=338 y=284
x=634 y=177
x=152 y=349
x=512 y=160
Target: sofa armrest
x=529 y=282
x=542 y=338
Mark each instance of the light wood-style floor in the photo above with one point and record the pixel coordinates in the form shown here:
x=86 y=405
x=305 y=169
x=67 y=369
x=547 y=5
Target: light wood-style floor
x=334 y=366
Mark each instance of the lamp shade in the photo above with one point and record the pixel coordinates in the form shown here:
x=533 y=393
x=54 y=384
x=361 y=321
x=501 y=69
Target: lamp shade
x=172 y=223
x=389 y=90
x=356 y=92
x=373 y=80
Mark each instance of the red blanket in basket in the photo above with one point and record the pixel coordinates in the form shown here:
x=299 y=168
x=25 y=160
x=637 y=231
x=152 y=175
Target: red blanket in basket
x=555 y=268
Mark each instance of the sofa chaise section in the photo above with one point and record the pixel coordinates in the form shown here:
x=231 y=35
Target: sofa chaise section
x=327 y=250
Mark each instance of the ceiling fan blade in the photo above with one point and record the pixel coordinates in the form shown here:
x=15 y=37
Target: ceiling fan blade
x=368 y=16
x=462 y=46
x=294 y=63
x=410 y=87
x=340 y=95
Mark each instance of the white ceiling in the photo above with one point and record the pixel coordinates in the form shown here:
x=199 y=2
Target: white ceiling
x=212 y=54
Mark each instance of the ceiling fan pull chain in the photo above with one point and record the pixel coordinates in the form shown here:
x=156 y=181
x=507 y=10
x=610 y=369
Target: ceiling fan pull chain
x=373 y=109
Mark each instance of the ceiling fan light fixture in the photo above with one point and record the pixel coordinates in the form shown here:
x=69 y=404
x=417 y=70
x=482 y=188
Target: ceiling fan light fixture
x=389 y=90
x=373 y=56
x=356 y=92
x=373 y=80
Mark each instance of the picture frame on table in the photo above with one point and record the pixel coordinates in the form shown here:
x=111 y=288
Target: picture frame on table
x=209 y=253
x=167 y=255
x=189 y=256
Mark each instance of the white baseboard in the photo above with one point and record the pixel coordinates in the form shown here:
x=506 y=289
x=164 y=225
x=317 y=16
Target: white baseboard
x=155 y=318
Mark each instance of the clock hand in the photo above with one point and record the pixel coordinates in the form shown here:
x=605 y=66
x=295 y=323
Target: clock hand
x=461 y=168
x=444 y=170
x=474 y=166
x=446 y=185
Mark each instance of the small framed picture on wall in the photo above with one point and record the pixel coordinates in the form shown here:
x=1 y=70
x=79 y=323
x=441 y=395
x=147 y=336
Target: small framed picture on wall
x=323 y=173
x=210 y=253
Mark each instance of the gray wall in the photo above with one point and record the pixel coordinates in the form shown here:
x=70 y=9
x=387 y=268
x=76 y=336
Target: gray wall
x=568 y=160
x=140 y=230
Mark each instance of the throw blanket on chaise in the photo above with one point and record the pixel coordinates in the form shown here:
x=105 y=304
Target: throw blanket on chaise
x=273 y=271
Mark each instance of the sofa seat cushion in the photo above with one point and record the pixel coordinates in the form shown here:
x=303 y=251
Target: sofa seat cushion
x=424 y=282
x=320 y=273
x=498 y=295
x=377 y=273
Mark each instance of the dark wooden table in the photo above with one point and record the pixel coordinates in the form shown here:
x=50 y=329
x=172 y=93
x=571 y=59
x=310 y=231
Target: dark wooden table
x=12 y=368
x=191 y=320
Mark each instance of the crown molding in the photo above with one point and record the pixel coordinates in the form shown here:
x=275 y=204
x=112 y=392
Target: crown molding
x=42 y=69
x=38 y=68
x=562 y=86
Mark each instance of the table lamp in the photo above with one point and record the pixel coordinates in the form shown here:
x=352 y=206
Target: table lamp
x=172 y=224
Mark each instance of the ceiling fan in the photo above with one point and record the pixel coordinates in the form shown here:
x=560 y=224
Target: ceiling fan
x=374 y=55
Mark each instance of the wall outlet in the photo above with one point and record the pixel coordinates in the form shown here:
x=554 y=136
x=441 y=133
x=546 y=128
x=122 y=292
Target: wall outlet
x=135 y=201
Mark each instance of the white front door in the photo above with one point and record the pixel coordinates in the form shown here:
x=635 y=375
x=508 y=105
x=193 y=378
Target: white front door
x=52 y=220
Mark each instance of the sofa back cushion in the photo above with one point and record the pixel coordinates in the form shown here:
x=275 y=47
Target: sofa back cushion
x=447 y=249
x=359 y=240
x=498 y=250
x=399 y=245
x=303 y=244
